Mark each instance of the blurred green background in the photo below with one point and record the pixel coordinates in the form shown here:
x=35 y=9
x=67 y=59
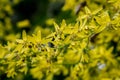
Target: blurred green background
x=31 y=15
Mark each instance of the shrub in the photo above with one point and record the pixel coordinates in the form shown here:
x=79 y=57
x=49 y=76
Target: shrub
x=86 y=49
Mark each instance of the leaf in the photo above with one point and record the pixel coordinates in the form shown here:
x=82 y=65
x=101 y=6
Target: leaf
x=35 y=38
x=24 y=36
x=50 y=21
x=82 y=24
x=71 y=57
x=68 y=31
x=82 y=17
x=24 y=69
x=31 y=39
x=67 y=39
x=57 y=29
x=18 y=48
x=19 y=41
x=63 y=25
x=11 y=73
x=96 y=11
x=36 y=73
x=2 y=52
x=38 y=36
x=103 y=20
x=87 y=10
x=115 y=3
x=23 y=24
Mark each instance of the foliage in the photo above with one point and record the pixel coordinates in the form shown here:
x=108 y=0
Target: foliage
x=86 y=49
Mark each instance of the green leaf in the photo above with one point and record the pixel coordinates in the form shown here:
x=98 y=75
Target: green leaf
x=82 y=24
x=24 y=36
x=2 y=51
x=103 y=20
x=57 y=29
x=87 y=10
x=38 y=36
x=97 y=11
